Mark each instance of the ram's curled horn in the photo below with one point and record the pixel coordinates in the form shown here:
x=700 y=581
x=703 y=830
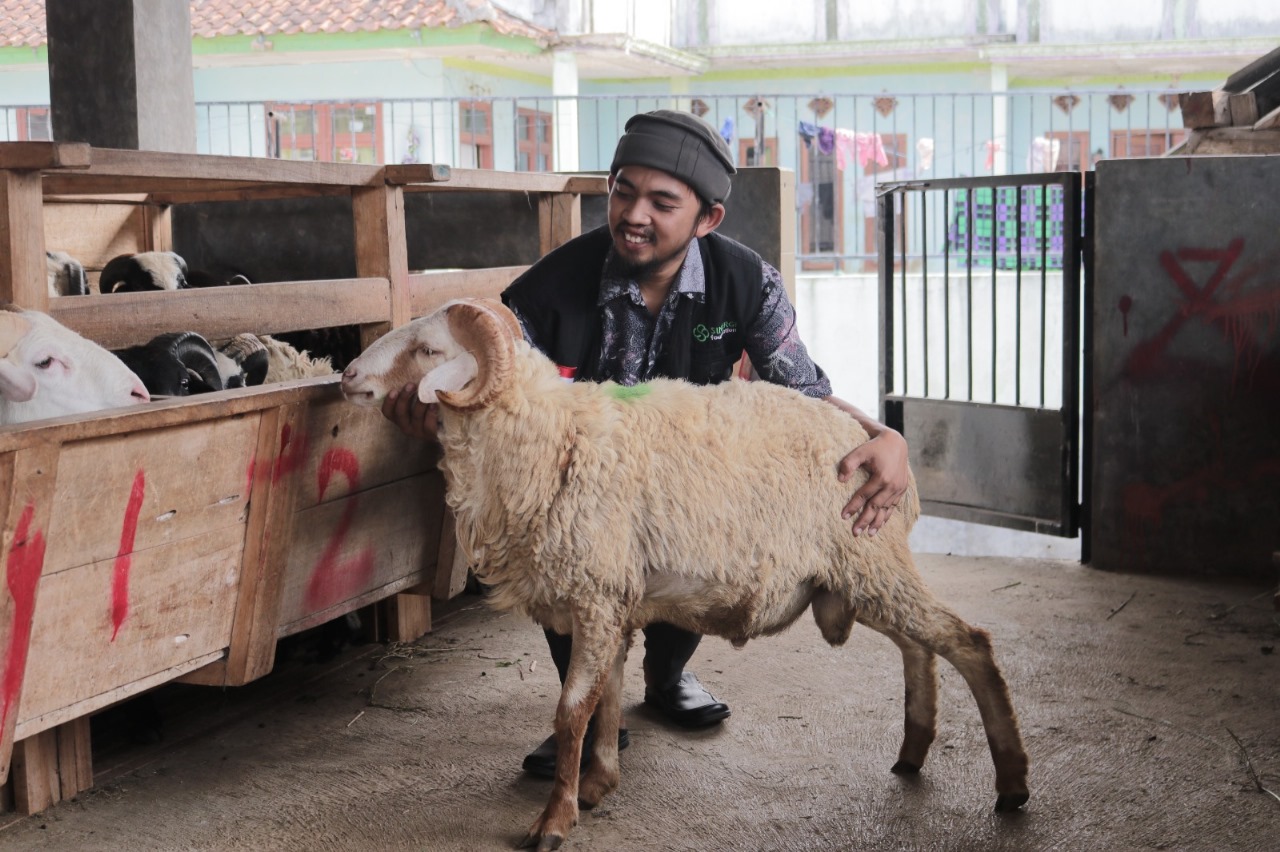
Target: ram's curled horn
x=196 y=355
x=12 y=327
x=486 y=334
x=505 y=314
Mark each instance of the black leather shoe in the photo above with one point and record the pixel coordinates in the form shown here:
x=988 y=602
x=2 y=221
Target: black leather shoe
x=687 y=703
x=541 y=762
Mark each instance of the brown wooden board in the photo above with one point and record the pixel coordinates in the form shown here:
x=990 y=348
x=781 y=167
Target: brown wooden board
x=103 y=627
x=430 y=290
x=95 y=233
x=376 y=541
x=138 y=491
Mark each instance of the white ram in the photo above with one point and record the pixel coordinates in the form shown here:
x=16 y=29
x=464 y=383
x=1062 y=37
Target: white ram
x=47 y=370
x=590 y=507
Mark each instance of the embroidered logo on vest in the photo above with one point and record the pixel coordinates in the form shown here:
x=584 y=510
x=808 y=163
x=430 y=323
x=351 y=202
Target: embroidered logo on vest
x=702 y=334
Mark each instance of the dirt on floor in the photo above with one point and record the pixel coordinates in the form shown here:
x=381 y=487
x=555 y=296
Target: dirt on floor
x=1149 y=708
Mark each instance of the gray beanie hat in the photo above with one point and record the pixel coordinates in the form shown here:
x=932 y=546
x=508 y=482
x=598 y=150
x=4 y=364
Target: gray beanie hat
x=680 y=144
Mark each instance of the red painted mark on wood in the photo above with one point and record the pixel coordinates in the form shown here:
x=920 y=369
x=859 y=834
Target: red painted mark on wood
x=292 y=453
x=333 y=580
x=1240 y=309
x=1126 y=304
x=124 y=556
x=22 y=574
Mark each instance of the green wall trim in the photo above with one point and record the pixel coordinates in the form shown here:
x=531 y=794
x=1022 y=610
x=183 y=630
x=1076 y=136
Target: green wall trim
x=24 y=55
x=471 y=34
x=492 y=70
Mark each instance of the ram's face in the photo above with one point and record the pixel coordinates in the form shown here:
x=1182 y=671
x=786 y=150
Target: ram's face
x=400 y=358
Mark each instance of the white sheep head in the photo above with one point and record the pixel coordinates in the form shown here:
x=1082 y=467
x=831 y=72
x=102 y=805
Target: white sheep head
x=459 y=356
x=47 y=370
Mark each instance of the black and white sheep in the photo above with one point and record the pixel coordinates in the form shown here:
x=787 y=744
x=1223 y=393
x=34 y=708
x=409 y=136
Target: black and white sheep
x=47 y=370
x=590 y=508
x=181 y=363
x=148 y=270
x=65 y=275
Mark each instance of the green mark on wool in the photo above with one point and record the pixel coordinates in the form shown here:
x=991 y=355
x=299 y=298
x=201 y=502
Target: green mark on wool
x=626 y=393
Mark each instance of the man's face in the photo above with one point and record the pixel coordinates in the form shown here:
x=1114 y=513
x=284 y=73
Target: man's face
x=653 y=217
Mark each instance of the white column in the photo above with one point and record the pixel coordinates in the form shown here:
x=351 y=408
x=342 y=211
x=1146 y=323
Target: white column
x=1000 y=118
x=564 y=85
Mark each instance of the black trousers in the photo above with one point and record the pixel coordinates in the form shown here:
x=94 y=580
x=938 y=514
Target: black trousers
x=667 y=650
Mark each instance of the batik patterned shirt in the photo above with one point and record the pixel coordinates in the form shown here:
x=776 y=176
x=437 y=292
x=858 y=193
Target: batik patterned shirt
x=632 y=338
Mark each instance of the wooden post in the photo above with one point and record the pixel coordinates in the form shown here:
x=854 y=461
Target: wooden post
x=451 y=562
x=559 y=219
x=52 y=766
x=27 y=478
x=268 y=537
x=23 y=279
x=381 y=250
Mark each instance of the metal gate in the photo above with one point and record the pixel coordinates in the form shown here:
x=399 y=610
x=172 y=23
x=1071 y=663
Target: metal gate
x=981 y=307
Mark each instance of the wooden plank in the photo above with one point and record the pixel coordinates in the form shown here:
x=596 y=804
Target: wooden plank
x=1253 y=73
x=130 y=171
x=170 y=412
x=342 y=549
x=44 y=155
x=244 y=192
x=23 y=279
x=100 y=635
x=268 y=534
x=158 y=230
x=486 y=180
x=221 y=312
x=29 y=727
x=418 y=173
x=27 y=480
x=408 y=615
x=94 y=233
x=75 y=757
x=429 y=290
x=559 y=220
x=1205 y=109
x=1269 y=121
x=381 y=251
x=1234 y=140
x=1243 y=109
x=35 y=773
x=344 y=449
x=161 y=485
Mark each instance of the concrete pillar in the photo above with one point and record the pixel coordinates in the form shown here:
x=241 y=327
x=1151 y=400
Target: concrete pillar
x=564 y=86
x=120 y=74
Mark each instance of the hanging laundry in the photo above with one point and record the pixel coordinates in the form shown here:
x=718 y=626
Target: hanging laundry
x=1043 y=156
x=864 y=147
x=808 y=131
x=992 y=147
x=924 y=154
x=826 y=140
x=726 y=131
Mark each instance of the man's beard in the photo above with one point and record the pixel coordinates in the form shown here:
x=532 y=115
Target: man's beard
x=641 y=271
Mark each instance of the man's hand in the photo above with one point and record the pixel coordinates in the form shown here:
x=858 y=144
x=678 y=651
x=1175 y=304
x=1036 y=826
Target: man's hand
x=415 y=419
x=885 y=459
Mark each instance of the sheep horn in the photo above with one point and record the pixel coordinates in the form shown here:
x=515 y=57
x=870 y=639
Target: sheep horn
x=505 y=313
x=483 y=332
x=196 y=355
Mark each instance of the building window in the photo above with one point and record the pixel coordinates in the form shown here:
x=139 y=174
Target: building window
x=533 y=141
x=33 y=124
x=475 y=135
x=820 y=199
x=749 y=156
x=1073 y=150
x=331 y=133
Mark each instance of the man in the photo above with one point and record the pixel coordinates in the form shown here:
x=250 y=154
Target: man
x=654 y=293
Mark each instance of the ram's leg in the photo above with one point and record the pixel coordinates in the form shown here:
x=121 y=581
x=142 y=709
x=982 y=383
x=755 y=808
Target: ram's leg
x=590 y=666
x=920 y=676
x=940 y=631
x=603 y=773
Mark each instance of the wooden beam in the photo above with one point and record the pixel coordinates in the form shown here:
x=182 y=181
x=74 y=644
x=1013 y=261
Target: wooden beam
x=430 y=290
x=27 y=477
x=410 y=173
x=36 y=785
x=559 y=220
x=451 y=562
x=221 y=312
x=1205 y=109
x=485 y=180
x=408 y=614
x=382 y=252
x=1243 y=109
x=1268 y=121
x=44 y=155
x=23 y=276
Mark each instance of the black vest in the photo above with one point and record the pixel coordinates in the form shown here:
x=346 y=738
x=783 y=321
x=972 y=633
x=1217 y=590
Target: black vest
x=558 y=296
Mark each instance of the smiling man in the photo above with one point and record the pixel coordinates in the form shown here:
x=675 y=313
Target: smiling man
x=658 y=293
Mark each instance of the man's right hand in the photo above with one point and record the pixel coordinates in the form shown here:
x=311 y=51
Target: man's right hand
x=415 y=419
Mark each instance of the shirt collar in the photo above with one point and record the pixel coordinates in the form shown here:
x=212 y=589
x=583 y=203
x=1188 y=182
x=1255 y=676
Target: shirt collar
x=691 y=281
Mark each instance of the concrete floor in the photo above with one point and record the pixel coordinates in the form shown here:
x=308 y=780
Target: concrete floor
x=1129 y=690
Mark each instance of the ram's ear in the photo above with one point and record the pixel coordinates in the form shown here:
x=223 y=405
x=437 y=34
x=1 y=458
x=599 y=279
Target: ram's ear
x=452 y=375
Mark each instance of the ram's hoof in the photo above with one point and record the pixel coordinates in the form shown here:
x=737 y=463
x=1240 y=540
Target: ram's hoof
x=546 y=843
x=1009 y=802
x=905 y=767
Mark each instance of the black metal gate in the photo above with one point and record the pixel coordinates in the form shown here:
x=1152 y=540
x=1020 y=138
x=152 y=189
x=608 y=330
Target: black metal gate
x=981 y=306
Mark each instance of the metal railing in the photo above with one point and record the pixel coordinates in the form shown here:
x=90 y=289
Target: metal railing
x=839 y=145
